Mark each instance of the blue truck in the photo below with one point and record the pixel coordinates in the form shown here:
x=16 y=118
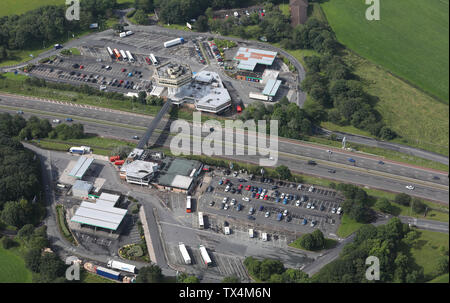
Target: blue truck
x=107 y=273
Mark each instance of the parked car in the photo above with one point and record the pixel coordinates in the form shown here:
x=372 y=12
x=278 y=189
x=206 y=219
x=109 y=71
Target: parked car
x=246 y=199
x=267 y=214
x=56 y=121
x=69 y=119
x=410 y=187
x=304 y=222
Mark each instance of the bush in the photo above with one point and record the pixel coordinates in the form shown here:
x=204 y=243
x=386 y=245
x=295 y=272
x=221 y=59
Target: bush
x=384 y=205
x=418 y=206
x=7 y=243
x=403 y=199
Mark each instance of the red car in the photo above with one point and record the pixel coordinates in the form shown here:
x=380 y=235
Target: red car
x=247 y=187
x=266 y=197
x=227 y=181
x=148 y=61
x=257 y=196
x=124 y=70
x=81 y=66
x=121 y=81
x=240 y=186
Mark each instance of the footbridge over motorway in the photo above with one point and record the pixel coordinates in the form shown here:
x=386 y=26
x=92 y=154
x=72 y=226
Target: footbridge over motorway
x=144 y=140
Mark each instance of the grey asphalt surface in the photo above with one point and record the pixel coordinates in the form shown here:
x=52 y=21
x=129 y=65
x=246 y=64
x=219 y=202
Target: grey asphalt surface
x=390 y=176
x=393 y=146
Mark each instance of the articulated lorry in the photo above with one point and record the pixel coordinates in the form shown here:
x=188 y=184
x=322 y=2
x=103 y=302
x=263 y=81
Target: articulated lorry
x=122 y=266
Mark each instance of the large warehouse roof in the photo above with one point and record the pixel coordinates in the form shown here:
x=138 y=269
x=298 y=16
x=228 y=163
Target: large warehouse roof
x=81 y=167
x=271 y=87
x=249 y=57
x=100 y=215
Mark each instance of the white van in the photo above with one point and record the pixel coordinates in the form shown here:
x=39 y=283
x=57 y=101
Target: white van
x=121 y=35
x=226 y=230
x=264 y=236
x=250 y=233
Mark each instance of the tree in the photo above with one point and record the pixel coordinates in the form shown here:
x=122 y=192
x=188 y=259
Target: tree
x=51 y=267
x=142 y=97
x=442 y=265
x=276 y=278
x=123 y=151
x=13 y=214
x=270 y=267
x=384 y=205
x=7 y=242
x=231 y=279
x=284 y=172
x=418 y=206
x=209 y=13
x=191 y=279
x=150 y=274
x=141 y=17
x=295 y=276
x=307 y=242
x=33 y=260
x=201 y=25
x=402 y=199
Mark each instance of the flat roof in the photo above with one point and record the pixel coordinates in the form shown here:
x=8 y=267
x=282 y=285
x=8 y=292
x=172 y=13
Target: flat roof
x=271 y=87
x=206 y=90
x=82 y=185
x=182 y=182
x=249 y=57
x=109 y=197
x=100 y=215
x=139 y=169
x=81 y=167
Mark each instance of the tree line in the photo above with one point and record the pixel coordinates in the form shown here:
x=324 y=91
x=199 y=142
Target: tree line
x=390 y=243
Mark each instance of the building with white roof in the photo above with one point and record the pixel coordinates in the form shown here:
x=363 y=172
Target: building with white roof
x=248 y=58
x=271 y=87
x=206 y=91
x=139 y=172
x=81 y=167
x=101 y=215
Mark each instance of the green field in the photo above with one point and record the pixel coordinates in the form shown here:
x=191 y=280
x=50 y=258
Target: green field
x=348 y=226
x=440 y=279
x=410 y=39
x=17 y=7
x=415 y=116
x=12 y=268
x=426 y=251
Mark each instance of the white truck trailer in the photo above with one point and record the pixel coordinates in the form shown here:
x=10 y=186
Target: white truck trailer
x=205 y=255
x=184 y=253
x=122 y=266
x=174 y=42
x=259 y=96
x=124 y=56
x=130 y=57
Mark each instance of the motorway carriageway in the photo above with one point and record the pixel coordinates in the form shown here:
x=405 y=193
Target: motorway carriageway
x=123 y=125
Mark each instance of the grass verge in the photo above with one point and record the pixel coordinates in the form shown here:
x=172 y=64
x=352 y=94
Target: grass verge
x=61 y=218
x=348 y=226
x=426 y=251
x=12 y=268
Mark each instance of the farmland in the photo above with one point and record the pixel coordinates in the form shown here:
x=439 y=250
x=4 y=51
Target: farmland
x=12 y=268
x=410 y=39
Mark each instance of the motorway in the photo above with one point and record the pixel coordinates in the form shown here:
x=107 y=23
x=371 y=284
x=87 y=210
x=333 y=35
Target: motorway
x=391 y=176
